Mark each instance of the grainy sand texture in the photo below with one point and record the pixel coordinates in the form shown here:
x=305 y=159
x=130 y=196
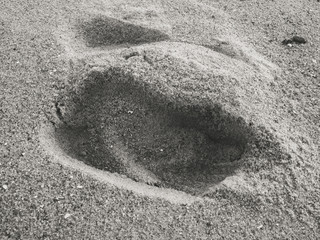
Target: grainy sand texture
x=143 y=119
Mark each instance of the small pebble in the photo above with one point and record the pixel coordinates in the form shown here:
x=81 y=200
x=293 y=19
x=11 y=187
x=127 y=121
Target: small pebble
x=286 y=41
x=294 y=39
x=298 y=39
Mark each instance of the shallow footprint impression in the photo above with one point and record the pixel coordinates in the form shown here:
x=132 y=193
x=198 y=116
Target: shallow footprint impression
x=104 y=31
x=123 y=126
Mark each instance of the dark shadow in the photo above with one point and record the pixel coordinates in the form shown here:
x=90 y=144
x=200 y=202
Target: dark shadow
x=104 y=31
x=119 y=119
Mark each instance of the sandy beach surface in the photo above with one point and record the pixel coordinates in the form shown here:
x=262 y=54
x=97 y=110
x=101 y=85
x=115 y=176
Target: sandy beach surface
x=144 y=119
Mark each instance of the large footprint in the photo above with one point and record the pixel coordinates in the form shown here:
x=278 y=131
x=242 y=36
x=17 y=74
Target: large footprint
x=167 y=114
x=123 y=126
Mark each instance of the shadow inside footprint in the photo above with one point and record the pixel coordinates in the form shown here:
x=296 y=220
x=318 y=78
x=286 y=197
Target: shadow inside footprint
x=122 y=125
x=104 y=31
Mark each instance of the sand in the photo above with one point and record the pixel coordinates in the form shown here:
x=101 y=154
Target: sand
x=159 y=120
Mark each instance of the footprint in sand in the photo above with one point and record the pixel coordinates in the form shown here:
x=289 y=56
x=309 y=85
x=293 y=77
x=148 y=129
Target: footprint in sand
x=165 y=114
